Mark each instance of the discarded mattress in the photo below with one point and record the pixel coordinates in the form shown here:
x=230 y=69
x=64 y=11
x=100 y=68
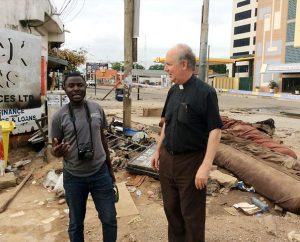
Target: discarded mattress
x=275 y=185
x=247 y=131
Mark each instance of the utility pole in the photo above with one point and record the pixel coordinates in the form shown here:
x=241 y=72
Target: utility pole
x=128 y=60
x=203 y=41
x=131 y=26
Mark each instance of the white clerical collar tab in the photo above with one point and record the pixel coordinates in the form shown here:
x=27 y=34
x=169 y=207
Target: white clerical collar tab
x=181 y=87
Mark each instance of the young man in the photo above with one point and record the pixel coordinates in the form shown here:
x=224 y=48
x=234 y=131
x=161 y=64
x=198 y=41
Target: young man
x=186 y=147
x=77 y=135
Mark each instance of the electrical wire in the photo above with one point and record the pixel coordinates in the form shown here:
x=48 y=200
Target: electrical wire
x=62 y=7
x=70 y=9
x=80 y=10
x=65 y=7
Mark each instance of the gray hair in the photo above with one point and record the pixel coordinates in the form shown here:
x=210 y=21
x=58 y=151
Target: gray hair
x=185 y=53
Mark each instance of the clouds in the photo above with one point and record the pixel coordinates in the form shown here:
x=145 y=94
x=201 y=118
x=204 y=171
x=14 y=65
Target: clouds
x=99 y=27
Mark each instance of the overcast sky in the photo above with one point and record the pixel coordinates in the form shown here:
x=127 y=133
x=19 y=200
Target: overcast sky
x=98 y=27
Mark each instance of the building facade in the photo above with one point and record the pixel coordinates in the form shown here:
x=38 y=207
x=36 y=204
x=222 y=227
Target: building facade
x=243 y=36
x=278 y=44
x=28 y=29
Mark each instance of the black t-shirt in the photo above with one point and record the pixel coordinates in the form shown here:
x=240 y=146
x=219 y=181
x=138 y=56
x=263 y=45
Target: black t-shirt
x=191 y=111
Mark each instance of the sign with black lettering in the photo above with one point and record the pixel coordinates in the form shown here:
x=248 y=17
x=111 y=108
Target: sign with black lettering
x=20 y=70
x=20 y=79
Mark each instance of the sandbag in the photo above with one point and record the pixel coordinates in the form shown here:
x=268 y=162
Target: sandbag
x=273 y=184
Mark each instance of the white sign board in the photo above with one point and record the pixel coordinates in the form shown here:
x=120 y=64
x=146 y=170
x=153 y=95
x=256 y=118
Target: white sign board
x=20 y=78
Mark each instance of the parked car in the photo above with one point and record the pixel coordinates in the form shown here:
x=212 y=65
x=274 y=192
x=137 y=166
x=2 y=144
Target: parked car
x=90 y=83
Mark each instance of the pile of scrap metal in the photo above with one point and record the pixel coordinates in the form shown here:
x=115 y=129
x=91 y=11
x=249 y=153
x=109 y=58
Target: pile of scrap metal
x=125 y=144
x=249 y=152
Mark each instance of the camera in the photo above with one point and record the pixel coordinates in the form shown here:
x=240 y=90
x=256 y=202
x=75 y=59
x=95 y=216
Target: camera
x=86 y=153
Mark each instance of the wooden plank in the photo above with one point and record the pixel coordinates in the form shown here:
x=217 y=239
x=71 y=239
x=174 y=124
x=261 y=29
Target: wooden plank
x=152 y=112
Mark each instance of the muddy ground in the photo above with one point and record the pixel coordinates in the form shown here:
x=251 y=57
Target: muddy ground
x=36 y=215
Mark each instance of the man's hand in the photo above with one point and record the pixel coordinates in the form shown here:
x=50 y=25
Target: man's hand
x=202 y=176
x=154 y=161
x=59 y=148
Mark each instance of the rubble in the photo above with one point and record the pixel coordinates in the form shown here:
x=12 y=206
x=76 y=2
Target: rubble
x=223 y=179
x=8 y=180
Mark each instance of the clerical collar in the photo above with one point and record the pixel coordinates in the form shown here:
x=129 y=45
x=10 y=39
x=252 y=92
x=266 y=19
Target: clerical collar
x=181 y=87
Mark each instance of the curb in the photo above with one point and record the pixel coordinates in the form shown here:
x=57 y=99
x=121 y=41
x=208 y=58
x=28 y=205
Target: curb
x=281 y=96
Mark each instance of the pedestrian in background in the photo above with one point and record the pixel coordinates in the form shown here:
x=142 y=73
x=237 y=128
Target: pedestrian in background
x=187 y=146
x=78 y=135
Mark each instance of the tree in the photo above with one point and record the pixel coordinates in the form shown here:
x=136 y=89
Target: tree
x=221 y=69
x=75 y=58
x=157 y=67
x=138 y=66
x=118 y=66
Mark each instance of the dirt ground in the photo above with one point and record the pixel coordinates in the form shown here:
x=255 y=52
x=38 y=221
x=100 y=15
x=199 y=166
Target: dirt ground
x=36 y=215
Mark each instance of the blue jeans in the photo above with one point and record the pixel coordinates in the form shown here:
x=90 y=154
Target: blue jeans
x=101 y=189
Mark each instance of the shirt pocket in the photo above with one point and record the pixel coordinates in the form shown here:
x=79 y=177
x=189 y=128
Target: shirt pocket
x=183 y=115
x=186 y=114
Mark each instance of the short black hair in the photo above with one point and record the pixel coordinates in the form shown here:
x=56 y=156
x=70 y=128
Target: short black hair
x=71 y=74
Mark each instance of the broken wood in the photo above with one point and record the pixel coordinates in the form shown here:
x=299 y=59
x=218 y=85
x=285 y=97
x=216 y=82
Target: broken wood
x=18 y=188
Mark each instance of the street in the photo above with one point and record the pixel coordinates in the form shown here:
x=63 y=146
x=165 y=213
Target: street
x=227 y=101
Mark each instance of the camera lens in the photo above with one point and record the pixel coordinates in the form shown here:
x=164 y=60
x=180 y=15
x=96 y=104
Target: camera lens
x=88 y=155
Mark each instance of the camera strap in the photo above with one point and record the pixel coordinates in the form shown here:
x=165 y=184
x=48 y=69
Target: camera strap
x=89 y=119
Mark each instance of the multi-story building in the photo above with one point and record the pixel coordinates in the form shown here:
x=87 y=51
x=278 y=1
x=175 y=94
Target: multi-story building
x=243 y=36
x=278 y=44
x=266 y=42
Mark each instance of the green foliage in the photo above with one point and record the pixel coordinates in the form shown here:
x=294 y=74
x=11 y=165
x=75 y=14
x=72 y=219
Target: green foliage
x=272 y=84
x=221 y=69
x=138 y=66
x=157 y=67
x=118 y=66
x=75 y=58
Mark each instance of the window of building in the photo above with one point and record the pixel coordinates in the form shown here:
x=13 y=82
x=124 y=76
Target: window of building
x=243 y=3
x=241 y=42
x=254 y=40
x=242 y=69
x=255 y=12
x=254 y=26
x=242 y=15
x=292 y=9
x=242 y=29
x=240 y=53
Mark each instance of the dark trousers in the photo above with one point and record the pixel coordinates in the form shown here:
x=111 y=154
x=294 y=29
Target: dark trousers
x=184 y=205
x=101 y=188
